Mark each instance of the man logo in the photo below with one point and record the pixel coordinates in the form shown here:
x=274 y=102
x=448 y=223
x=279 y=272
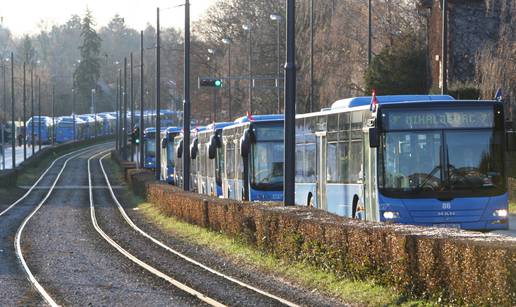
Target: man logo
x=446 y=206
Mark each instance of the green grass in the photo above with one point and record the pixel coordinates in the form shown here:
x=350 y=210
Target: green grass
x=512 y=207
x=365 y=293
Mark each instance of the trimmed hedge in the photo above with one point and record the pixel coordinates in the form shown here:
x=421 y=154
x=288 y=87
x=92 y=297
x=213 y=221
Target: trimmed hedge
x=449 y=265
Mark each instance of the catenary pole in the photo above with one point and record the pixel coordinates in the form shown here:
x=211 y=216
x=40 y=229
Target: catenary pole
x=290 y=106
x=124 y=115
x=186 y=103
x=39 y=113
x=13 y=126
x=158 y=99
x=132 y=105
x=117 y=125
x=24 y=112
x=142 y=102
x=444 y=52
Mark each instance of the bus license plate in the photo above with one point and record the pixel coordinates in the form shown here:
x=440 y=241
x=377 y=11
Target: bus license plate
x=457 y=226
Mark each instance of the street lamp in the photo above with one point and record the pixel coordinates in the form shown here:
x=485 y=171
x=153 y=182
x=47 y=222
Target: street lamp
x=278 y=19
x=93 y=109
x=247 y=27
x=214 y=111
x=228 y=42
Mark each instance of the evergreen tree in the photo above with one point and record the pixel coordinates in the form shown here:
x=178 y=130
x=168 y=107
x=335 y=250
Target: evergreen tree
x=399 y=69
x=88 y=70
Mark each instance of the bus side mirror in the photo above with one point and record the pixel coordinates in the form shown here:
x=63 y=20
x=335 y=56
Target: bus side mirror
x=212 y=147
x=164 y=143
x=194 y=149
x=180 y=149
x=373 y=137
x=245 y=142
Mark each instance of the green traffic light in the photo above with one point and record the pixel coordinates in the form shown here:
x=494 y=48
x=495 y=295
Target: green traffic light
x=218 y=83
x=137 y=141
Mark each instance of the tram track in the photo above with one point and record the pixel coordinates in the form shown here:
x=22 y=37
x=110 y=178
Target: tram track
x=13 y=220
x=175 y=252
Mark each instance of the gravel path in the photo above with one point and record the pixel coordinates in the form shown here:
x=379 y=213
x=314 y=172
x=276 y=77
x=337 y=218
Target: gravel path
x=216 y=287
x=75 y=265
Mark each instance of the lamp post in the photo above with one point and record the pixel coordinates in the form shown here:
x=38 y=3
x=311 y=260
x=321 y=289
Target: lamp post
x=132 y=104
x=73 y=111
x=228 y=42
x=24 y=111
x=278 y=18
x=247 y=27
x=4 y=66
x=158 y=99
x=142 y=102
x=213 y=70
x=94 y=110
x=369 y=33
x=311 y=105
x=39 y=113
x=290 y=106
x=186 y=103
x=13 y=127
x=444 y=51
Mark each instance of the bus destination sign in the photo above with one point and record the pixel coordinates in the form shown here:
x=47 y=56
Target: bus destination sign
x=438 y=119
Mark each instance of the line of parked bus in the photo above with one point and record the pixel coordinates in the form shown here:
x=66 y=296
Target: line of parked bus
x=82 y=126
x=419 y=159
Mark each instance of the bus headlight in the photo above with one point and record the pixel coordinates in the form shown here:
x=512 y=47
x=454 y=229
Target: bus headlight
x=500 y=213
x=390 y=215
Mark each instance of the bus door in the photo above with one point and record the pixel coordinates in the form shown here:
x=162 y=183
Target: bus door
x=369 y=180
x=321 y=170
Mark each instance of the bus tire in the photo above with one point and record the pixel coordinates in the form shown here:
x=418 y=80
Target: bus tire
x=354 y=207
x=310 y=201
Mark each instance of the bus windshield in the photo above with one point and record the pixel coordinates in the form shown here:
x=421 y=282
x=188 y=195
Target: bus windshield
x=442 y=162
x=267 y=165
x=170 y=154
x=150 y=147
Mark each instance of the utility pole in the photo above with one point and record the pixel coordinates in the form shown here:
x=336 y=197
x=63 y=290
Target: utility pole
x=124 y=115
x=444 y=53
x=248 y=27
x=33 y=142
x=73 y=110
x=369 y=33
x=117 y=117
x=94 y=111
x=4 y=110
x=186 y=103
x=39 y=113
x=24 y=113
x=311 y=105
x=13 y=126
x=158 y=99
x=119 y=110
x=290 y=106
x=132 y=106
x=142 y=103
x=53 y=113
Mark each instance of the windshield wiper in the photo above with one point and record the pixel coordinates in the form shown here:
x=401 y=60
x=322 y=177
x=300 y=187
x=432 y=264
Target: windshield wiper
x=419 y=187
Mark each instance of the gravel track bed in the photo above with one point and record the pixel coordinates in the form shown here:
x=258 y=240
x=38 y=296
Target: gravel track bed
x=76 y=266
x=15 y=288
x=213 y=286
x=248 y=274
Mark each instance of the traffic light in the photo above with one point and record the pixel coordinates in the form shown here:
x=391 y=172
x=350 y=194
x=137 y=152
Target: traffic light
x=135 y=136
x=210 y=83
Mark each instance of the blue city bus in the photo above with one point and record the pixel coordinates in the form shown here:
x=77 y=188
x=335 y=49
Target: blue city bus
x=211 y=159
x=88 y=126
x=253 y=158
x=167 y=153
x=195 y=163
x=178 y=160
x=65 y=129
x=44 y=123
x=149 y=145
x=422 y=160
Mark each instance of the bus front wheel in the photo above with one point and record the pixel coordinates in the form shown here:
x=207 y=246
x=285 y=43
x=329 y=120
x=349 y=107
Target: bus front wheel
x=310 y=201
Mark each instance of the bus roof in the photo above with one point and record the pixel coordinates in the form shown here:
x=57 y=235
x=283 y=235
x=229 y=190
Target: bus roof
x=173 y=130
x=259 y=118
x=153 y=130
x=219 y=125
x=366 y=100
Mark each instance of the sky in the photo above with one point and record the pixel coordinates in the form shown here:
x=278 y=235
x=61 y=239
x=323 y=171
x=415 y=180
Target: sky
x=26 y=16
